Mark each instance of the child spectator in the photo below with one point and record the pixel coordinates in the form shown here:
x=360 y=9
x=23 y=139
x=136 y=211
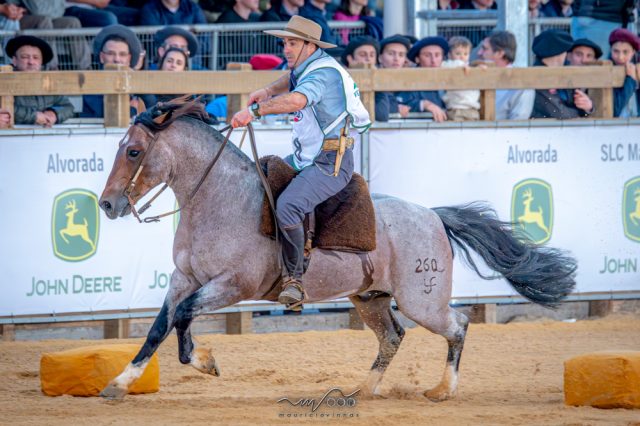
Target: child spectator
x=624 y=46
x=462 y=105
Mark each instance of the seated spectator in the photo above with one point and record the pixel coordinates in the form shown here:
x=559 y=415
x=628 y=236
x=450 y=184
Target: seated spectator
x=626 y=99
x=595 y=20
x=583 y=52
x=534 y=9
x=361 y=50
x=513 y=104
x=429 y=53
x=100 y=13
x=282 y=10
x=50 y=14
x=172 y=36
x=116 y=44
x=10 y=16
x=176 y=60
x=550 y=48
x=557 y=9
x=242 y=11
x=29 y=54
x=350 y=11
x=478 y=4
x=171 y=12
x=448 y=5
x=316 y=10
x=393 y=54
x=462 y=105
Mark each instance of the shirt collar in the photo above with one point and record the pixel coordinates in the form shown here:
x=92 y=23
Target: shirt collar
x=316 y=55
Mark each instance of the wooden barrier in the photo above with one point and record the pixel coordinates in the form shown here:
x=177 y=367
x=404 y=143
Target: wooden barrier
x=599 y=79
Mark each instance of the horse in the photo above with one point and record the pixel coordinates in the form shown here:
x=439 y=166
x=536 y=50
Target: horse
x=221 y=258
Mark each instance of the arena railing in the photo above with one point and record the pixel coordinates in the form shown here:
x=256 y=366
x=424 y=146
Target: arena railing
x=219 y=43
x=118 y=84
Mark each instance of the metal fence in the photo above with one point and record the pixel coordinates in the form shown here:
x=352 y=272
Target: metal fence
x=219 y=43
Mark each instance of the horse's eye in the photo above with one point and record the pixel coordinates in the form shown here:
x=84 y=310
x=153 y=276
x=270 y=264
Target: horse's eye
x=133 y=153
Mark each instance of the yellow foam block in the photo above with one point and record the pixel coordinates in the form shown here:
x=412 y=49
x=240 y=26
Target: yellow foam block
x=86 y=371
x=603 y=380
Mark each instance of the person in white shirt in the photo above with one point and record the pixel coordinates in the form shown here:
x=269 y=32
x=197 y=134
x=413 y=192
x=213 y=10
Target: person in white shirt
x=500 y=48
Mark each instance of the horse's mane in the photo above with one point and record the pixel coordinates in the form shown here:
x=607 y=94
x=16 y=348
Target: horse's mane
x=163 y=114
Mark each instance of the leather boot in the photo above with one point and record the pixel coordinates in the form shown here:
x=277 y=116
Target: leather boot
x=293 y=255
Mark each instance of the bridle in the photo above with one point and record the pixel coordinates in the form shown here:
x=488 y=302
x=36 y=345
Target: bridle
x=128 y=191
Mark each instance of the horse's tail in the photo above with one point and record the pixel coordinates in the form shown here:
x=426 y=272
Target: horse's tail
x=541 y=274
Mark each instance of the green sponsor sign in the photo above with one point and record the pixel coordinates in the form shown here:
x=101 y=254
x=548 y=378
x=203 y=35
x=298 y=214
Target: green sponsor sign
x=631 y=209
x=532 y=209
x=75 y=223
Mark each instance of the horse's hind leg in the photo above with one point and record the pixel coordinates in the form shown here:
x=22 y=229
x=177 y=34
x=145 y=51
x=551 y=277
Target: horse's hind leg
x=450 y=324
x=376 y=313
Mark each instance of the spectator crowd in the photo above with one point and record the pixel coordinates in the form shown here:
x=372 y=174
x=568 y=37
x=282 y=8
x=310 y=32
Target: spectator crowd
x=598 y=34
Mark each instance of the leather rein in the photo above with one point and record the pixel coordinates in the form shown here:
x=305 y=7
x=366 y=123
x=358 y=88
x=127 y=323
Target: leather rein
x=154 y=137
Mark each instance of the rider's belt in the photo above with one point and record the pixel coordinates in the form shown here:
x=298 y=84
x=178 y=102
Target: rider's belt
x=339 y=145
x=334 y=144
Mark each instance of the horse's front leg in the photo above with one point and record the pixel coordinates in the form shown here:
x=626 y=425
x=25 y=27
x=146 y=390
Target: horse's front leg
x=218 y=293
x=179 y=290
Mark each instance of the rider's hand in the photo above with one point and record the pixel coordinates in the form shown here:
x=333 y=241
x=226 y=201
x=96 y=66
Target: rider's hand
x=241 y=118
x=258 y=96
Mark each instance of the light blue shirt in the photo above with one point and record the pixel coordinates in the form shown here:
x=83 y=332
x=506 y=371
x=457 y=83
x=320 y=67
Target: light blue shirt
x=324 y=92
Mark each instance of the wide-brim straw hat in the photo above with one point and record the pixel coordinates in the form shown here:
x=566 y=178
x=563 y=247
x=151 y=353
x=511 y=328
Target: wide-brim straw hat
x=302 y=29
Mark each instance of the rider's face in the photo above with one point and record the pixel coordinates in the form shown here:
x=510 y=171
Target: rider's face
x=296 y=51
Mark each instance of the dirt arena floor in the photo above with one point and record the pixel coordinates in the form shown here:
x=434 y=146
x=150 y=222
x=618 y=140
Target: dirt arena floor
x=510 y=374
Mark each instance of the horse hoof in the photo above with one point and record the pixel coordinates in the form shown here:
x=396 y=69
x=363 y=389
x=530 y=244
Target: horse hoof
x=113 y=393
x=203 y=361
x=438 y=395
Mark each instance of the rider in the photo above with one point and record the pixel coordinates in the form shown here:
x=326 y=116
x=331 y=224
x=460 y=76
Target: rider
x=326 y=102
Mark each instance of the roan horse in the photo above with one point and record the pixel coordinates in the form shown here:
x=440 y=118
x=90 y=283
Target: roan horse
x=221 y=258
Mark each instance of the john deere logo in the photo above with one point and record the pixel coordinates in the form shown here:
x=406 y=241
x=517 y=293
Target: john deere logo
x=631 y=209
x=532 y=209
x=75 y=225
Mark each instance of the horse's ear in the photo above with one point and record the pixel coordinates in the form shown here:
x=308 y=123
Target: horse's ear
x=161 y=118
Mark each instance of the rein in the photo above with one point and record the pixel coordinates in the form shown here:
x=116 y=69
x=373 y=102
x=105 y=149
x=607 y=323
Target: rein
x=132 y=182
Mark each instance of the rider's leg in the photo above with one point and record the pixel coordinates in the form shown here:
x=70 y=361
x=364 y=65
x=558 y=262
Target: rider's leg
x=313 y=185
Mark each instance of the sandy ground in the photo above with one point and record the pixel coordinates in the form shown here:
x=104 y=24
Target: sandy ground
x=510 y=374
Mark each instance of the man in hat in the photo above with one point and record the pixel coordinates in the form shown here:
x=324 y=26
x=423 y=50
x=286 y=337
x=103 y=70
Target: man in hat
x=393 y=55
x=624 y=46
x=512 y=104
x=550 y=48
x=117 y=45
x=583 y=52
x=30 y=54
x=429 y=53
x=177 y=37
x=326 y=102
x=362 y=50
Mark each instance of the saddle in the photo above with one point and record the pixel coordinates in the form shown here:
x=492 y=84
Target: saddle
x=344 y=222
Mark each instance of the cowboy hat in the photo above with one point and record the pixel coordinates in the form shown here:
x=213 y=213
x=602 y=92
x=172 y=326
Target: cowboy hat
x=25 y=40
x=303 y=29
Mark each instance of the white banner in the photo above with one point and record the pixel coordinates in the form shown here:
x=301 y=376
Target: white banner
x=575 y=188
x=60 y=254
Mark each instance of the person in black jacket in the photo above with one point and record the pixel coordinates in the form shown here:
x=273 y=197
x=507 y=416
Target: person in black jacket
x=282 y=10
x=596 y=19
x=550 y=48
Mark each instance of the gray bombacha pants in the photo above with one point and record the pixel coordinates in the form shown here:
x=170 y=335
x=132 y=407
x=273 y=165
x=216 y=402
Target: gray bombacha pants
x=313 y=185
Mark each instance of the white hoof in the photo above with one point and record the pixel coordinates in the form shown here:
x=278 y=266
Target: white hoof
x=202 y=360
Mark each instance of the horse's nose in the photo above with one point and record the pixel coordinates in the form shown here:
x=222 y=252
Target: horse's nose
x=106 y=206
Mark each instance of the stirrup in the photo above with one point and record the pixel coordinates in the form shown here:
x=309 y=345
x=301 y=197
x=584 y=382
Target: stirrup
x=296 y=305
